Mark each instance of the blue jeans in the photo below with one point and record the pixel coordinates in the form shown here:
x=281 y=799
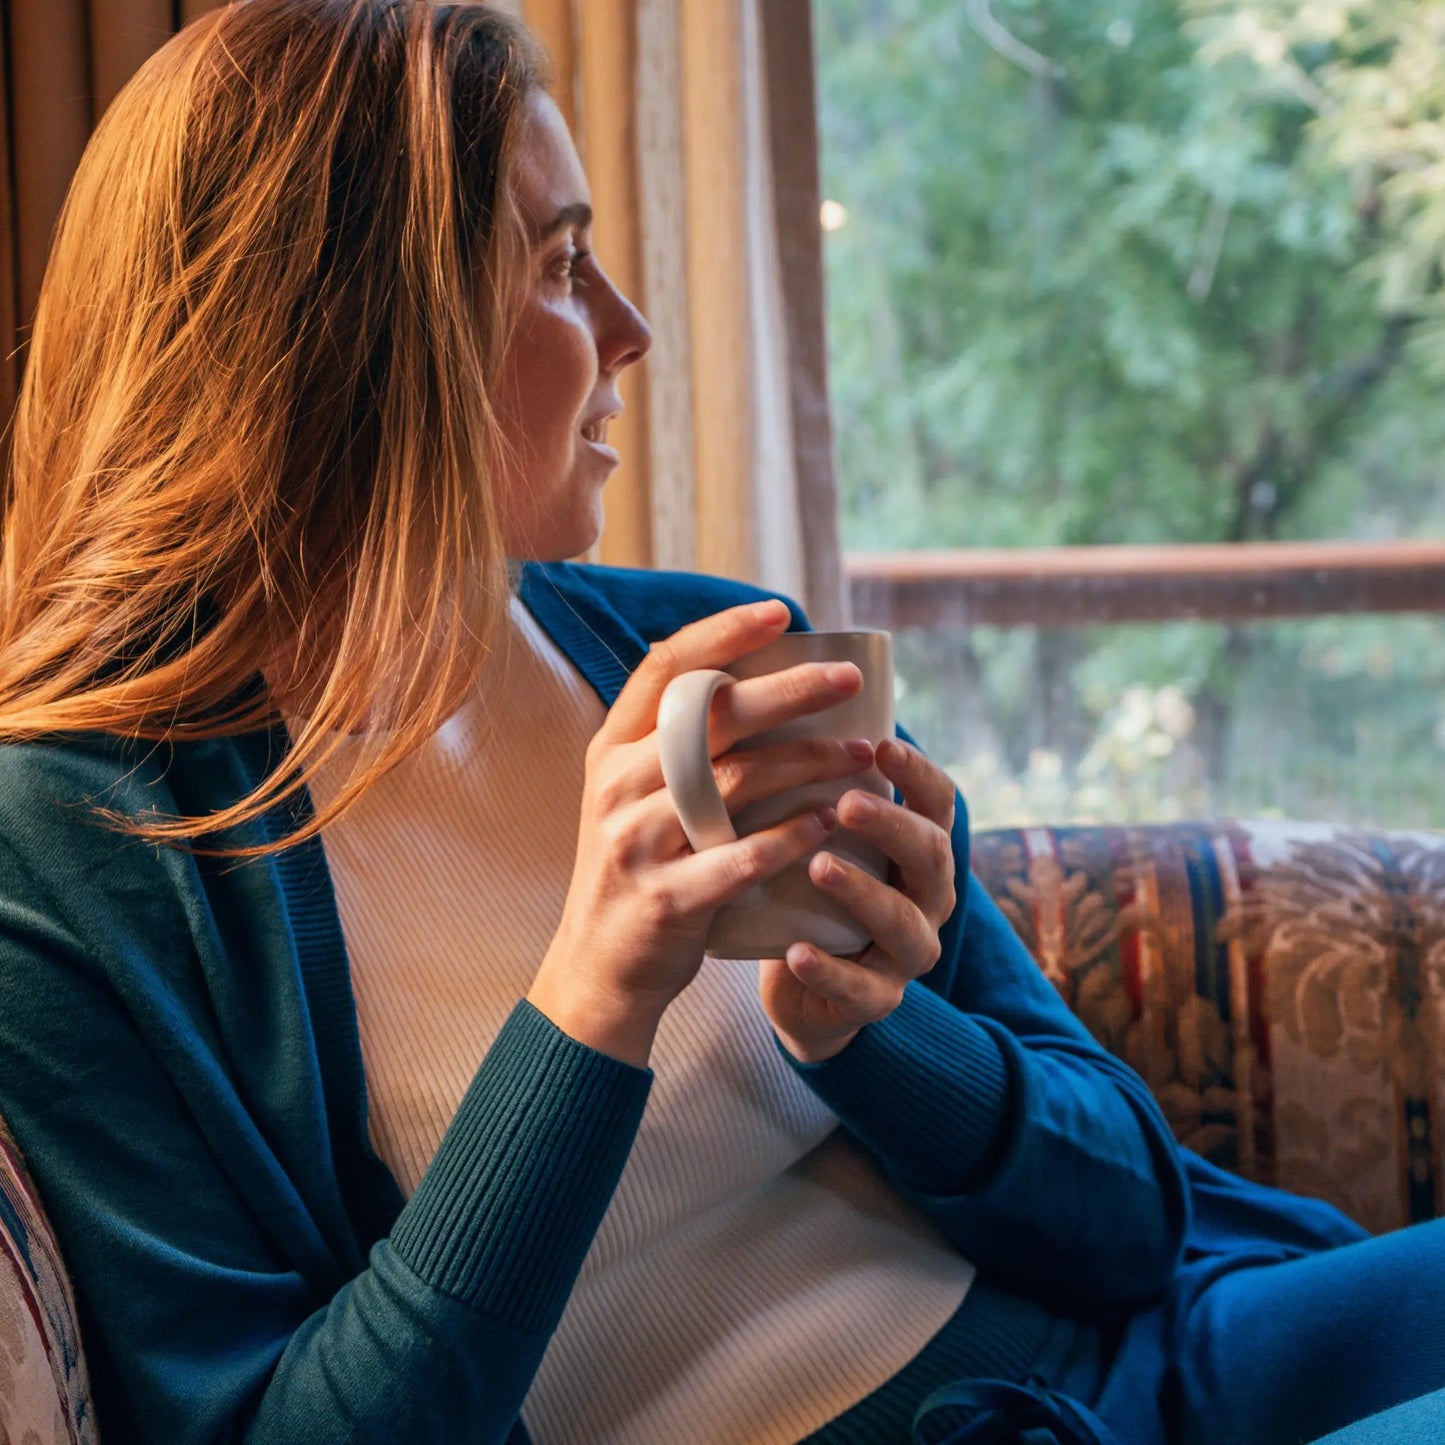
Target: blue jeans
x=1314 y=1344
x=1417 y=1422
x=1281 y=1353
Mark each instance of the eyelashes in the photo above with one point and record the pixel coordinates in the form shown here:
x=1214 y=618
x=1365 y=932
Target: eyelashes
x=568 y=268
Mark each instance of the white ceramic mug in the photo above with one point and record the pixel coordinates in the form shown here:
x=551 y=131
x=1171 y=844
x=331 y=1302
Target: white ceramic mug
x=789 y=907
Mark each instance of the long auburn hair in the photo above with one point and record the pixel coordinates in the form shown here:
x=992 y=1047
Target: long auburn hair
x=256 y=420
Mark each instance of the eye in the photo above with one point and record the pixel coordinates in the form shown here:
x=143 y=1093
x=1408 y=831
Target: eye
x=567 y=267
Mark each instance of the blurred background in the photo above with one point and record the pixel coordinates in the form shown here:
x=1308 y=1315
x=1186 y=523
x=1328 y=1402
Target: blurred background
x=1096 y=347
x=1160 y=274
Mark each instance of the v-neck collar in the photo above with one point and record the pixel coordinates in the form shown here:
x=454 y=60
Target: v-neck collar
x=606 y=650
x=600 y=643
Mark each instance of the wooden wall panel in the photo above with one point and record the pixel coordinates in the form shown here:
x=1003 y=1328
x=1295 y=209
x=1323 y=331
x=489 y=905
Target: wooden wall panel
x=51 y=107
x=190 y=9
x=662 y=219
x=123 y=35
x=555 y=23
x=663 y=98
x=9 y=294
x=791 y=96
x=718 y=295
x=607 y=65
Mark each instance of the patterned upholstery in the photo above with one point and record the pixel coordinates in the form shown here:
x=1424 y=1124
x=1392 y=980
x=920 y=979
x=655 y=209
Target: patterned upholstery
x=1280 y=985
x=44 y=1394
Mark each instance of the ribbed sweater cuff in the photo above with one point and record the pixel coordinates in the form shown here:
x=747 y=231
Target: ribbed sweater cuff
x=507 y=1210
x=925 y=1089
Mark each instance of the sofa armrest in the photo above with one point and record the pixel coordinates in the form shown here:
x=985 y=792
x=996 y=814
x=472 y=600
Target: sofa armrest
x=44 y=1391
x=1280 y=986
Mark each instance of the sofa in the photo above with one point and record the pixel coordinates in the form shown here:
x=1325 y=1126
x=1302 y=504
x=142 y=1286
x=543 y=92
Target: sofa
x=1281 y=986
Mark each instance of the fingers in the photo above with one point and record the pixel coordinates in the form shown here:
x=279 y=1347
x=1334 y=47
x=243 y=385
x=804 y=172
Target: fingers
x=855 y=993
x=916 y=835
x=925 y=787
x=633 y=771
x=747 y=775
x=758 y=704
x=744 y=776
x=711 y=641
x=741 y=708
x=861 y=990
x=905 y=938
x=723 y=874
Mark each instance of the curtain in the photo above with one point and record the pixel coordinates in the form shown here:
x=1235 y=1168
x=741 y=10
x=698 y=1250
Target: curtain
x=61 y=62
x=695 y=122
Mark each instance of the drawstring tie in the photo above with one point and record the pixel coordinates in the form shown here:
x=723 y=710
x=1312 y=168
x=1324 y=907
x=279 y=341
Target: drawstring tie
x=995 y=1412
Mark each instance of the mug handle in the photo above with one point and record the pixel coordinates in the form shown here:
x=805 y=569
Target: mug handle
x=682 y=747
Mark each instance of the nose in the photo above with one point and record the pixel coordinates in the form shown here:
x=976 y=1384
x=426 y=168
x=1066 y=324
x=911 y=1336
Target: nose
x=625 y=335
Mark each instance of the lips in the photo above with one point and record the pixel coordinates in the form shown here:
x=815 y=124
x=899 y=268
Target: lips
x=595 y=428
x=600 y=449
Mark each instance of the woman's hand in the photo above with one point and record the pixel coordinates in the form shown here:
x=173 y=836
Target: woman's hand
x=817 y=1002
x=640 y=900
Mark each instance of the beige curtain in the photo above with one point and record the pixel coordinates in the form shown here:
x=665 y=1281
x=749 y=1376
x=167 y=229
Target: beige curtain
x=61 y=62
x=696 y=123
x=695 y=120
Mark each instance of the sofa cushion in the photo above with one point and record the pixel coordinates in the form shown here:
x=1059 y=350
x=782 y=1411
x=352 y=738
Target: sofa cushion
x=44 y=1394
x=1280 y=986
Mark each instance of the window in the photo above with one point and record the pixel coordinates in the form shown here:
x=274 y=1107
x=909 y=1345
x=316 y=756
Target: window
x=1156 y=276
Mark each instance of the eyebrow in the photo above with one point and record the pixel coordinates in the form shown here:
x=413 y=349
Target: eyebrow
x=578 y=214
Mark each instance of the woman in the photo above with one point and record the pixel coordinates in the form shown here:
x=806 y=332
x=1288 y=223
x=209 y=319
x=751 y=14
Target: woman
x=346 y=930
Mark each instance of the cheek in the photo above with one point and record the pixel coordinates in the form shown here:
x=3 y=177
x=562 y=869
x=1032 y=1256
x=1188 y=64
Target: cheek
x=554 y=374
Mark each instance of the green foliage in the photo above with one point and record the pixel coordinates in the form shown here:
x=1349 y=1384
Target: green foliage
x=1372 y=73
x=1134 y=271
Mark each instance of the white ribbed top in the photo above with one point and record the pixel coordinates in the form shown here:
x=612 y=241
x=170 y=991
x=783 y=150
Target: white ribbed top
x=754 y=1275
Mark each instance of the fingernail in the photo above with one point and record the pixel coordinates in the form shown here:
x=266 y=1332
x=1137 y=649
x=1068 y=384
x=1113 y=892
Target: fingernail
x=771 y=611
x=890 y=751
x=840 y=674
x=863 y=806
x=860 y=749
x=827 y=818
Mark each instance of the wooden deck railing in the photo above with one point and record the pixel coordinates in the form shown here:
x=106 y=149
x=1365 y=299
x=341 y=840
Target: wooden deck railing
x=1211 y=582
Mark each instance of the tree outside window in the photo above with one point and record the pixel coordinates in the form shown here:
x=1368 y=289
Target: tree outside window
x=1114 y=272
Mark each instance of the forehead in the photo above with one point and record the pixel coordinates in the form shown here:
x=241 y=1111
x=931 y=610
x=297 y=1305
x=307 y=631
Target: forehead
x=549 y=172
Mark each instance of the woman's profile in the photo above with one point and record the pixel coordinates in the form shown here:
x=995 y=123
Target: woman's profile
x=355 y=1018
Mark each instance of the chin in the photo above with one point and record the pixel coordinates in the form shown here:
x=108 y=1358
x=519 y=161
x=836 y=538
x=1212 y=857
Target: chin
x=561 y=543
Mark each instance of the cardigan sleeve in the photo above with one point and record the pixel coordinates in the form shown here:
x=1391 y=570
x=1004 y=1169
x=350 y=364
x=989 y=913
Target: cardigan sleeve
x=218 y=1301
x=1041 y=1157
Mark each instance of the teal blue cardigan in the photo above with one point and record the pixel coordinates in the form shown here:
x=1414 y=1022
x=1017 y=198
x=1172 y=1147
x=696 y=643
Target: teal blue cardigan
x=179 y=1062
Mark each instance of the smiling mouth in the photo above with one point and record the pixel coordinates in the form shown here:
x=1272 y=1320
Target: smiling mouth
x=596 y=432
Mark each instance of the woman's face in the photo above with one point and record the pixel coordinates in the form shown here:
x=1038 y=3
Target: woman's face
x=575 y=334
